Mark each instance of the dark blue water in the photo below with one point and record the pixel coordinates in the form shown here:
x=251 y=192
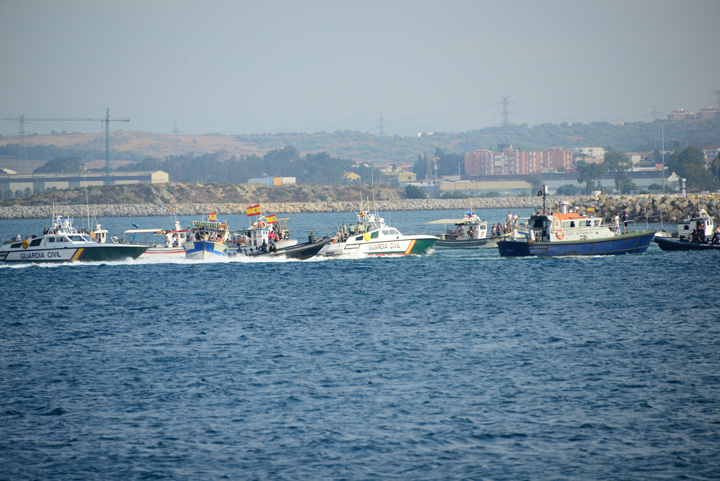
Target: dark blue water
x=453 y=365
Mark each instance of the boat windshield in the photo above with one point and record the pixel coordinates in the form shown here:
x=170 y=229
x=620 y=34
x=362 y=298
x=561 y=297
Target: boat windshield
x=79 y=238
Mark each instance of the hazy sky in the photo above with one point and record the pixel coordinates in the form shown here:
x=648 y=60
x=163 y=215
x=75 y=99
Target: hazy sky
x=309 y=66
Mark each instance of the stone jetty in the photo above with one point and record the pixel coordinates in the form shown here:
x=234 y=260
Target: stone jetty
x=653 y=208
x=670 y=207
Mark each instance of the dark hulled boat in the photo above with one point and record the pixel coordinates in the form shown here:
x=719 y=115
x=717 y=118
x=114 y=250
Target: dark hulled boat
x=299 y=251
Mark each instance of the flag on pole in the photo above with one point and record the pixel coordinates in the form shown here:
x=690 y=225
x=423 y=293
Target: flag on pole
x=253 y=210
x=539 y=194
x=212 y=217
x=270 y=219
x=591 y=209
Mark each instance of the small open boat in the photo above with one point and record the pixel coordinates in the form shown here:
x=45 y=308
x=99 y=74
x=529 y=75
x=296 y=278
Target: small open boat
x=672 y=244
x=299 y=251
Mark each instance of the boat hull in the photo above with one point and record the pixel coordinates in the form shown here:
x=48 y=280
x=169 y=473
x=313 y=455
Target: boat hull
x=205 y=250
x=163 y=252
x=668 y=244
x=88 y=253
x=406 y=246
x=468 y=244
x=299 y=251
x=623 y=244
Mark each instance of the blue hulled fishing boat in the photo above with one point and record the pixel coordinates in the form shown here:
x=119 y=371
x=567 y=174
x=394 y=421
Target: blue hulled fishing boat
x=571 y=234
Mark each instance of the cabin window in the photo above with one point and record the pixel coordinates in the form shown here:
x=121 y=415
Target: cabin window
x=374 y=235
x=588 y=223
x=36 y=242
x=597 y=223
x=687 y=227
x=51 y=239
x=539 y=224
x=359 y=238
x=76 y=238
x=572 y=223
x=65 y=239
x=567 y=224
x=16 y=246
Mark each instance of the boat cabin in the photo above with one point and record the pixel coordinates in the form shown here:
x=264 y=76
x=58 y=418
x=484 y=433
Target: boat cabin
x=702 y=224
x=212 y=231
x=468 y=228
x=262 y=230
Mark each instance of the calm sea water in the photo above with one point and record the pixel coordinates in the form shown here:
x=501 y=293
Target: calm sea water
x=452 y=365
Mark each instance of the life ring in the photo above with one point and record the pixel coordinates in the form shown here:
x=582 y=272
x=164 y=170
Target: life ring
x=560 y=234
x=262 y=224
x=366 y=237
x=334 y=240
x=25 y=244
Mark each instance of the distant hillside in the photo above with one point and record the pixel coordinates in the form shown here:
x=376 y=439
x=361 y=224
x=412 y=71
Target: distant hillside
x=365 y=147
x=179 y=193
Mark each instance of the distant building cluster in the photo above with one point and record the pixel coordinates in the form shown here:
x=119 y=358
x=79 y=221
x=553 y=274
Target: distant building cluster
x=512 y=161
x=26 y=184
x=706 y=113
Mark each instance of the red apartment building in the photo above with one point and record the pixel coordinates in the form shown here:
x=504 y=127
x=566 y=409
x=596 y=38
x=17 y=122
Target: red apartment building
x=513 y=161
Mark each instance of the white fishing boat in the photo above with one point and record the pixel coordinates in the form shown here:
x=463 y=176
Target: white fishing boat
x=169 y=244
x=207 y=240
x=263 y=233
x=375 y=238
x=63 y=243
x=467 y=232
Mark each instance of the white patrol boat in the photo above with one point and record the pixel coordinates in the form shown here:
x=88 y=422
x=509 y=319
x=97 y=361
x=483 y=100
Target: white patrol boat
x=170 y=246
x=468 y=232
x=207 y=240
x=63 y=243
x=377 y=239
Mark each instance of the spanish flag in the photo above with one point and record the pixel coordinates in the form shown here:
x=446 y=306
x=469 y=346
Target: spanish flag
x=590 y=209
x=212 y=217
x=253 y=210
x=270 y=219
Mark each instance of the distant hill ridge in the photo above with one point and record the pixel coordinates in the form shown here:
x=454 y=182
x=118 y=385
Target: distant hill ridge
x=363 y=146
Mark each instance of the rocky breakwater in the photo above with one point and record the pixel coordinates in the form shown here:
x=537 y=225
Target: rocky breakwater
x=654 y=208
x=149 y=210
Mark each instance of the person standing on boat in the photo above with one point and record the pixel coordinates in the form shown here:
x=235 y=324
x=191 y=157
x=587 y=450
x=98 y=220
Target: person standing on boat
x=352 y=229
x=344 y=232
x=625 y=222
x=311 y=237
x=616 y=221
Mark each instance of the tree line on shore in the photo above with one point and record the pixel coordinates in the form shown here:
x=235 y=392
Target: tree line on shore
x=688 y=164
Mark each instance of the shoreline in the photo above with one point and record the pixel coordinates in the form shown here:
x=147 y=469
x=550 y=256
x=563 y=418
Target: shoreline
x=668 y=207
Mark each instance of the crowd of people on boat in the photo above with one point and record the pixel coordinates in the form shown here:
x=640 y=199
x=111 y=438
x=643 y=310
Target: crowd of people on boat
x=343 y=233
x=207 y=235
x=697 y=236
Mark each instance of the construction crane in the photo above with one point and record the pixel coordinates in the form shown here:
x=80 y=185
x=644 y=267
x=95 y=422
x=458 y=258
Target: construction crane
x=107 y=121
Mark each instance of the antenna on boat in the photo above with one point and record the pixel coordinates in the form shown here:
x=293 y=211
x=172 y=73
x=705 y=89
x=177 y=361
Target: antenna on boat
x=87 y=204
x=544 y=193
